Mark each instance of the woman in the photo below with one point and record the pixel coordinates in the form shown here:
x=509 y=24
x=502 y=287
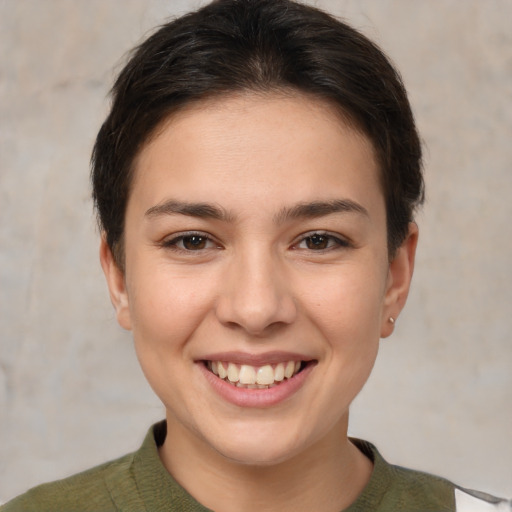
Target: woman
x=256 y=182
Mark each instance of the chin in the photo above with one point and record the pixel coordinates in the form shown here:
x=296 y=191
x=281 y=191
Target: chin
x=262 y=449
x=256 y=456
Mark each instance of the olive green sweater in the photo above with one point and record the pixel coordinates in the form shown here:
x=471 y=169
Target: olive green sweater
x=139 y=482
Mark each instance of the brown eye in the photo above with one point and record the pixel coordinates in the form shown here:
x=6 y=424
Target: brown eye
x=194 y=242
x=317 y=242
x=190 y=242
x=321 y=242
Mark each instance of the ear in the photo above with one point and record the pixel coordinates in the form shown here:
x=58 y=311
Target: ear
x=399 y=280
x=116 y=285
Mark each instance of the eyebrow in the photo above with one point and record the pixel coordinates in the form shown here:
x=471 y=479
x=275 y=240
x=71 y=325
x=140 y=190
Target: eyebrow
x=314 y=209
x=304 y=210
x=200 y=210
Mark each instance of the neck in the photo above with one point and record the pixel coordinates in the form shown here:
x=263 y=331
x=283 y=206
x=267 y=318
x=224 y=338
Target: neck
x=327 y=476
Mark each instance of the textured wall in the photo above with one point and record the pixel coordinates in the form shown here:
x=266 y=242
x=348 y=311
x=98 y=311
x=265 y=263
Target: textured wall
x=71 y=392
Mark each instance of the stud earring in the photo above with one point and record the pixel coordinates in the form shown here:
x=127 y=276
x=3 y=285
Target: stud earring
x=391 y=320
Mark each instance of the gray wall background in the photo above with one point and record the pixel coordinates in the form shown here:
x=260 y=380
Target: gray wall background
x=71 y=392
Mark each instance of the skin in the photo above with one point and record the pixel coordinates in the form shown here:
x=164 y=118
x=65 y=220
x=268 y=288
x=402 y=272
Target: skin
x=262 y=284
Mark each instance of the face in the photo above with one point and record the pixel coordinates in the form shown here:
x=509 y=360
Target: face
x=257 y=282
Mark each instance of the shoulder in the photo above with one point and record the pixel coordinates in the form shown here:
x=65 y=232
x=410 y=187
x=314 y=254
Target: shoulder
x=394 y=488
x=91 y=490
x=408 y=488
x=416 y=486
x=133 y=483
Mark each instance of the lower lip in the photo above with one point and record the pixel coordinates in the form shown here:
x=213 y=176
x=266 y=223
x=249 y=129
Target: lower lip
x=245 y=397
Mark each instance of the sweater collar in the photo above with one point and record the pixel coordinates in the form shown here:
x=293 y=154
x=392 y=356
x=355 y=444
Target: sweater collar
x=159 y=492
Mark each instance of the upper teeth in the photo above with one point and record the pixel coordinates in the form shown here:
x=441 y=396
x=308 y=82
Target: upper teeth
x=256 y=376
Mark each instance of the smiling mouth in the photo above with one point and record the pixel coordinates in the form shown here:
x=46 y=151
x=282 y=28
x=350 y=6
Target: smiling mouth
x=255 y=377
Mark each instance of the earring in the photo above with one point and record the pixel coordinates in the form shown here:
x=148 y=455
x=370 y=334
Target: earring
x=391 y=320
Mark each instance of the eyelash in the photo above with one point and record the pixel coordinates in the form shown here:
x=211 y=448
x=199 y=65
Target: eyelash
x=332 y=242
x=174 y=242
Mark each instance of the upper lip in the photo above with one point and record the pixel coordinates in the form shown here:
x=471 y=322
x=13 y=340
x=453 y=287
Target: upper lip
x=272 y=357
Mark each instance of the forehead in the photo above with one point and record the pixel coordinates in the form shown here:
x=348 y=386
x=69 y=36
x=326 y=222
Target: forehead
x=252 y=142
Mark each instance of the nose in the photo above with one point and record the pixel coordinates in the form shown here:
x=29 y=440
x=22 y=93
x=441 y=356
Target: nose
x=255 y=295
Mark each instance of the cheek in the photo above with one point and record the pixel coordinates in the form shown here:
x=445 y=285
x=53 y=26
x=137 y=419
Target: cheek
x=166 y=307
x=166 y=312
x=347 y=300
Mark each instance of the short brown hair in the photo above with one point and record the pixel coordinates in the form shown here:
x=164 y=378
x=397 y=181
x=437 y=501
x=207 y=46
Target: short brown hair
x=263 y=45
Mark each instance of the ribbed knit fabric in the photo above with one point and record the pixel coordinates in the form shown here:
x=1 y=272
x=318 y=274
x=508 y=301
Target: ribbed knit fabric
x=139 y=482
x=393 y=488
